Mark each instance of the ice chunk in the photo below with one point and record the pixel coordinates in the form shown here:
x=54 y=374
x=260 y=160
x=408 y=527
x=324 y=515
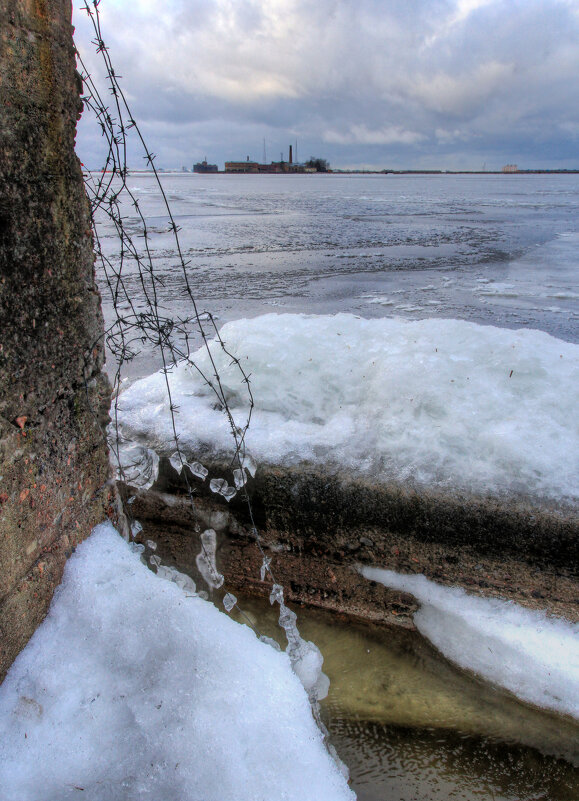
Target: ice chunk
x=206 y=559
x=239 y=478
x=155 y=561
x=137 y=464
x=136 y=528
x=474 y=408
x=229 y=601
x=305 y=657
x=152 y=545
x=264 y=569
x=164 y=698
x=532 y=655
x=270 y=641
x=198 y=470
x=221 y=487
x=248 y=463
x=176 y=461
x=276 y=594
x=184 y=582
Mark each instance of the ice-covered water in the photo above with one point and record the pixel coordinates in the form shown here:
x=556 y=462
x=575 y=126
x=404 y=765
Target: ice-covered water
x=494 y=249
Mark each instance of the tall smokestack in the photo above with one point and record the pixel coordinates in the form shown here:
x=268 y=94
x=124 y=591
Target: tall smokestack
x=290 y=155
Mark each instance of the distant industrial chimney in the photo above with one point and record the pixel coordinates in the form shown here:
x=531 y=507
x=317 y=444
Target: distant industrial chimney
x=290 y=155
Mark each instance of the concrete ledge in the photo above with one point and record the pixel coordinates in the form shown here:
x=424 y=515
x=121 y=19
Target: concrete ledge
x=317 y=526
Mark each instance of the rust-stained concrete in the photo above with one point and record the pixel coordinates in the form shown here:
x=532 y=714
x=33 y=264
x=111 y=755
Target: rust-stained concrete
x=54 y=399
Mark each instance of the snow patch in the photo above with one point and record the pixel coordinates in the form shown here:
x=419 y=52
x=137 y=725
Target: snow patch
x=442 y=403
x=132 y=690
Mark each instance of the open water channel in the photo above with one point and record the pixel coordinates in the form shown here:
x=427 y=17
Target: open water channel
x=413 y=727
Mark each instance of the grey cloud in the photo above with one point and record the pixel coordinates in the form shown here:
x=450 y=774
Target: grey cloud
x=364 y=82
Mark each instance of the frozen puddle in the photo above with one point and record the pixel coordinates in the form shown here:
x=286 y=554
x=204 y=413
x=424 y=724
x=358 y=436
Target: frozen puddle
x=130 y=689
x=523 y=651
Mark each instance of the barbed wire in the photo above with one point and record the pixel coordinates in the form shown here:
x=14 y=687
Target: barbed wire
x=132 y=331
x=171 y=337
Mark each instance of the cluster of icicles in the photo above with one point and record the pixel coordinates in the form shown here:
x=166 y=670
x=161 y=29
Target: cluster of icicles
x=139 y=467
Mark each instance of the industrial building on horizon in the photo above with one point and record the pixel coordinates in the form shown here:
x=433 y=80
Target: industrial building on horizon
x=203 y=167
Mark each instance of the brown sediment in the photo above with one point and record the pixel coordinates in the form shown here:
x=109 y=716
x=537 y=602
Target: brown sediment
x=316 y=527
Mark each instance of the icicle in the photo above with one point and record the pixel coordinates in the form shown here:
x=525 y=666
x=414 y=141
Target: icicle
x=239 y=478
x=198 y=470
x=138 y=465
x=182 y=580
x=229 y=601
x=305 y=657
x=276 y=594
x=206 y=559
x=264 y=568
x=270 y=641
x=249 y=464
x=176 y=462
x=221 y=487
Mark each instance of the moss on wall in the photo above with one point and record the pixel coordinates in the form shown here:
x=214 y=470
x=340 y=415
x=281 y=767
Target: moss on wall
x=54 y=399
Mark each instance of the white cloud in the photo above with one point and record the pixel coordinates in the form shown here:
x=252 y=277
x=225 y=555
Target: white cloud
x=360 y=134
x=459 y=94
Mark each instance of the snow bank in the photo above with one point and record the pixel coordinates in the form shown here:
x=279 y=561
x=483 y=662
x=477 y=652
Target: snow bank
x=131 y=690
x=446 y=403
x=524 y=651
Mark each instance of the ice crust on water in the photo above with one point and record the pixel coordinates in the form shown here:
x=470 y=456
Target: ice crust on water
x=130 y=690
x=534 y=656
x=442 y=403
x=205 y=561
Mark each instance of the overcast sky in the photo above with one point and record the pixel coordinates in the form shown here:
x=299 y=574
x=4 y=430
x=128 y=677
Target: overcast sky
x=450 y=84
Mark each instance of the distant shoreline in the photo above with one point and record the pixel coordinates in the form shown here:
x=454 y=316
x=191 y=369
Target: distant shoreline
x=357 y=172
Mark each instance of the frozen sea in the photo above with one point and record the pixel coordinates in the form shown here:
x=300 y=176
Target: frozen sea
x=492 y=249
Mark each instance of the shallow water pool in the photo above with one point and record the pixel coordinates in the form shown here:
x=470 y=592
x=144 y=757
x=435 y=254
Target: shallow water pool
x=412 y=727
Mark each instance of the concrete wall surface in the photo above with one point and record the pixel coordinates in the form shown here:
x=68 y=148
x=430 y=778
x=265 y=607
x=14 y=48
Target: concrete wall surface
x=54 y=399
